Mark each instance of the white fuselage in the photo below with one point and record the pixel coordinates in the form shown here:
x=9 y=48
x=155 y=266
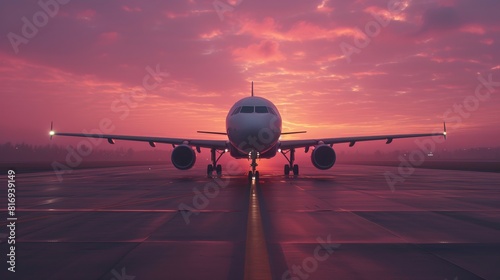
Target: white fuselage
x=253 y=124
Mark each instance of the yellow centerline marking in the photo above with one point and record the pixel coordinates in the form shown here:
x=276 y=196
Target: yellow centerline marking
x=256 y=257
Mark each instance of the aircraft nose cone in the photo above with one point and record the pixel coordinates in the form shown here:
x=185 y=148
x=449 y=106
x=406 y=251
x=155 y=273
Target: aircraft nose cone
x=256 y=135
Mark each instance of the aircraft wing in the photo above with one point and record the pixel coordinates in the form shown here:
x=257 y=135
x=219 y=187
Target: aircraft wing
x=291 y=144
x=215 y=144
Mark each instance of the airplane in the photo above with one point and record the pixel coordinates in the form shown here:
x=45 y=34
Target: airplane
x=253 y=131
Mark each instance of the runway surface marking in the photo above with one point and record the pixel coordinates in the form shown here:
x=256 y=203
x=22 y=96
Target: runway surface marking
x=256 y=258
x=437 y=225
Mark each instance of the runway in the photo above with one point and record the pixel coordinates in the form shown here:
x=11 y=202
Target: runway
x=155 y=222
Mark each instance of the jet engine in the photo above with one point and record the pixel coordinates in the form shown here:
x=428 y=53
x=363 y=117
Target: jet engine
x=323 y=157
x=183 y=157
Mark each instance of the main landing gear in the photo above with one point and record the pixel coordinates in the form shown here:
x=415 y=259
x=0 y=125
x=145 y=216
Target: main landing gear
x=214 y=166
x=290 y=166
x=253 y=175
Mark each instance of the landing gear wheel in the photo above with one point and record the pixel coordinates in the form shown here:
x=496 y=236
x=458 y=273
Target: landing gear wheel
x=218 y=170
x=250 y=176
x=287 y=169
x=257 y=177
x=210 y=169
x=214 y=166
x=290 y=166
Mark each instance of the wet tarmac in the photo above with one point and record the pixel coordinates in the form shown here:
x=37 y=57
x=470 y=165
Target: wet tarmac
x=345 y=223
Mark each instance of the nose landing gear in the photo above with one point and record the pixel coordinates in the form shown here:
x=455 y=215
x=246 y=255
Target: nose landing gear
x=253 y=175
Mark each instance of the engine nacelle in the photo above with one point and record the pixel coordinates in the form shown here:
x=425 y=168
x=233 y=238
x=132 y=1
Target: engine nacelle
x=183 y=157
x=323 y=157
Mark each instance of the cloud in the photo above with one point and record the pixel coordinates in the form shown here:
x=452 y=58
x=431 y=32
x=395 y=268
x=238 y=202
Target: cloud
x=86 y=15
x=302 y=30
x=474 y=29
x=265 y=51
x=441 y=18
x=424 y=61
x=107 y=38
x=131 y=9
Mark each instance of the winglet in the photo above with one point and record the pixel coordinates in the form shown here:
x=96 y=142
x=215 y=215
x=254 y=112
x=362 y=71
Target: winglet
x=444 y=130
x=51 y=132
x=252 y=88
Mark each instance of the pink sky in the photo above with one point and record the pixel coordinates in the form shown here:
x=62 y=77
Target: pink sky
x=422 y=58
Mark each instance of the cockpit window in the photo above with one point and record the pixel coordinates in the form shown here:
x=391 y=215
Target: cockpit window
x=252 y=109
x=261 y=109
x=246 y=109
x=236 y=111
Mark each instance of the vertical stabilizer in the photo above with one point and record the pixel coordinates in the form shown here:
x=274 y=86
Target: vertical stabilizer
x=252 y=88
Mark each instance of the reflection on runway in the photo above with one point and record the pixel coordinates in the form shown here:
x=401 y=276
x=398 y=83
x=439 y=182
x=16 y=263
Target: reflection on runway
x=256 y=258
x=436 y=225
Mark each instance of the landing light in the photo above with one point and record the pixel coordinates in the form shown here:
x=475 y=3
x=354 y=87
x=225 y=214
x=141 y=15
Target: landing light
x=226 y=150
x=52 y=133
x=279 y=150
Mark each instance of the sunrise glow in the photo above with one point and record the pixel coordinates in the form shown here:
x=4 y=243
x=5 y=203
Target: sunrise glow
x=333 y=68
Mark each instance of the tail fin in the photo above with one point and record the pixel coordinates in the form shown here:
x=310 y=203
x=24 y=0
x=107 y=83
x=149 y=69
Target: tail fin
x=252 y=88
